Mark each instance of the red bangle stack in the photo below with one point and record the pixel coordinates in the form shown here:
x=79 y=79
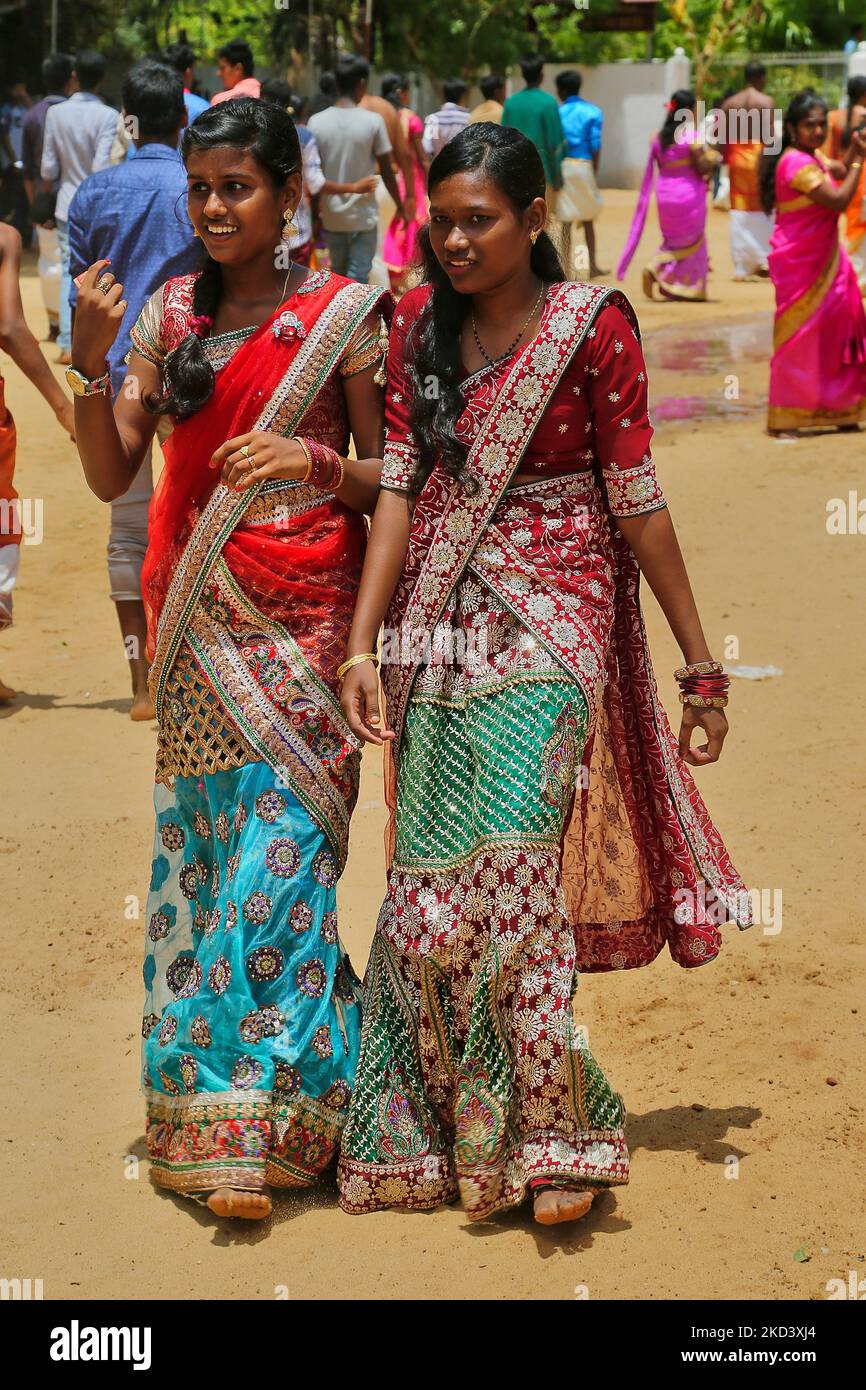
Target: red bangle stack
x=326 y=467
x=703 y=684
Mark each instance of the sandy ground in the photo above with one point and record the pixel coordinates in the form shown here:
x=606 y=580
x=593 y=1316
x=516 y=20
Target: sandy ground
x=743 y=1079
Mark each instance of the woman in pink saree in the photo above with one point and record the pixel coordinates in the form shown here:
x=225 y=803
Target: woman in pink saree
x=818 y=368
x=400 y=246
x=679 y=267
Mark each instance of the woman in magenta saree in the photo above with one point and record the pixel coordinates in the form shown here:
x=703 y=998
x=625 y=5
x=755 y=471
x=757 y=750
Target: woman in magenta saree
x=818 y=368
x=543 y=819
x=252 y=1012
x=679 y=267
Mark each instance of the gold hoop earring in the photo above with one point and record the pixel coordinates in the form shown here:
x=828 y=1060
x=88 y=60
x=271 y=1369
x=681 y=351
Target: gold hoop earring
x=290 y=227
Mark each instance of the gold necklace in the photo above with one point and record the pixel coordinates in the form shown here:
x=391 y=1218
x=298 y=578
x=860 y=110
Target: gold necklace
x=481 y=348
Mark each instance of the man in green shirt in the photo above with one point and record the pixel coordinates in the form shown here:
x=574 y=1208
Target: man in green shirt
x=536 y=115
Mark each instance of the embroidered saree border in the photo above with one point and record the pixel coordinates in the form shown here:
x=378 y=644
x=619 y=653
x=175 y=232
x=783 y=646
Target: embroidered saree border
x=269 y=1122
x=789 y=417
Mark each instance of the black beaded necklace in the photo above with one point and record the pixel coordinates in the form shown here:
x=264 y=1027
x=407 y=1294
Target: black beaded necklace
x=480 y=346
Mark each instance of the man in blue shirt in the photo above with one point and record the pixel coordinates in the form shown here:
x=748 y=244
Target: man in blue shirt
x=579 y=199
x=135 y=216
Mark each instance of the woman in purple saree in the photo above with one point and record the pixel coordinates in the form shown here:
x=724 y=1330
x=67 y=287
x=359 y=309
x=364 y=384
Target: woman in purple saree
x=679 y=267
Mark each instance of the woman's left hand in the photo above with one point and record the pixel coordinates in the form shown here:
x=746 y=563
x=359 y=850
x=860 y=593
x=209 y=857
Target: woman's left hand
x=715 y=726
x=267 y=456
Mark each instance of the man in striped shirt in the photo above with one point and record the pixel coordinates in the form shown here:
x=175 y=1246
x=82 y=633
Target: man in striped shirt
x=449 y=120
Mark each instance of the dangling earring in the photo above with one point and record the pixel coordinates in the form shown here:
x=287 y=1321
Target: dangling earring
x=290 y=227
x=533 y=236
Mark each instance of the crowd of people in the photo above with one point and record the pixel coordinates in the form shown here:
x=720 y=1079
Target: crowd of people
x=214 y=295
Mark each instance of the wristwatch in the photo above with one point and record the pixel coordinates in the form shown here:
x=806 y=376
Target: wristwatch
x=87 y=386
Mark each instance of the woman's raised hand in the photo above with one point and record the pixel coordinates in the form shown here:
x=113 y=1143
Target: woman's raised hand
x=99 y=312
x=255 y=457
x=714 y=725
x=360 y=700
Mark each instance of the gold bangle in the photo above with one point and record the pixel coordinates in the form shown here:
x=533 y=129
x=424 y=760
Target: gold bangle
x=308 y=456
x=356 y=661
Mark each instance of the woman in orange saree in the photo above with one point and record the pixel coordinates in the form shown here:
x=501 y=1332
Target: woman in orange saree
x=252 y=1011
x=543 y=819
x=818 y=368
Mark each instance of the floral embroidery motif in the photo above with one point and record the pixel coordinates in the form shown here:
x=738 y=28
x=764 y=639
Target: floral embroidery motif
x=184 y=977
x=265 y=963
x=199 y=1031
x=328 y=929
x=286 y=1078
x=219 y=977
x=267 y=1022
x=246 y=1073
x=168 y=1030
x=558 y=758
x=321 y=1043
x=301 y=917
x=258 y=908
x=270 y=806
x=161 y=922
x=188 y=1067
x=172 y=836
x=325 y=869
x=311 y=978
x=283 y=857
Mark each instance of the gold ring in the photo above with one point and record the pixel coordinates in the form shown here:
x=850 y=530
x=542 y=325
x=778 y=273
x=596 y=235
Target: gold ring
x=245 y=451
x=104 y=284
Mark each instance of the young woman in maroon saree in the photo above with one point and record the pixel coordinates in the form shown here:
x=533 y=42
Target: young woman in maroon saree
x=543 y=819
x=252 y=1017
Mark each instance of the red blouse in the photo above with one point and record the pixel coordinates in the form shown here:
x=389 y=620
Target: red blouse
x=597 y=417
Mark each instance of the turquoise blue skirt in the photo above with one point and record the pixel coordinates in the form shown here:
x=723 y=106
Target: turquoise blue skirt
x=252 y=1013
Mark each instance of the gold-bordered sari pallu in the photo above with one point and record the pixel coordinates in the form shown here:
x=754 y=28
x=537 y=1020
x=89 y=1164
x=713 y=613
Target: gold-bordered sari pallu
x=252 y=1016
x=542 y=821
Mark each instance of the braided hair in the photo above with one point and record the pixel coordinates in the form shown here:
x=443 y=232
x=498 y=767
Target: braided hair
x=268 y=133
x=514 y=165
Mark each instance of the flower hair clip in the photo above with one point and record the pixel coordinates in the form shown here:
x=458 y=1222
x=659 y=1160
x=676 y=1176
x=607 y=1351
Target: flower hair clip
x=200 y=323
x=288 y=327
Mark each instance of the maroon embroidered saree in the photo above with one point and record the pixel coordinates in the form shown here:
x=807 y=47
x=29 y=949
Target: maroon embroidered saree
x=542 y=822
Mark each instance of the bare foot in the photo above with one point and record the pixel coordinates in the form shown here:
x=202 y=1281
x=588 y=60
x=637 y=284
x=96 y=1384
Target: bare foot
x=558 y=1204
x=595 y=272
x=6 y=692
x=142 y=707
x=244 y=1206
x=64 y=358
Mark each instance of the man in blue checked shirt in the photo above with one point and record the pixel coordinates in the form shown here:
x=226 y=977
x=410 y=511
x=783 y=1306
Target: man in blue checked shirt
x=579 y=199
x=135 y=216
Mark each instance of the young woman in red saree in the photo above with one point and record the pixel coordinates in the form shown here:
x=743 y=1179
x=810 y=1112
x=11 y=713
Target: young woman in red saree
x=544 y=821
x=251 y=1021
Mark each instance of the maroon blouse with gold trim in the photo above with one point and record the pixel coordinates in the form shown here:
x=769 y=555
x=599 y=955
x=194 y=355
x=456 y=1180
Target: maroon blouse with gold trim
x=597 y=417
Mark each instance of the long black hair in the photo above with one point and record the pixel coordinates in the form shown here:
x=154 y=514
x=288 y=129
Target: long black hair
x=800 y=105
x=268 y=133
x=514 y=165
x=682 y=100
